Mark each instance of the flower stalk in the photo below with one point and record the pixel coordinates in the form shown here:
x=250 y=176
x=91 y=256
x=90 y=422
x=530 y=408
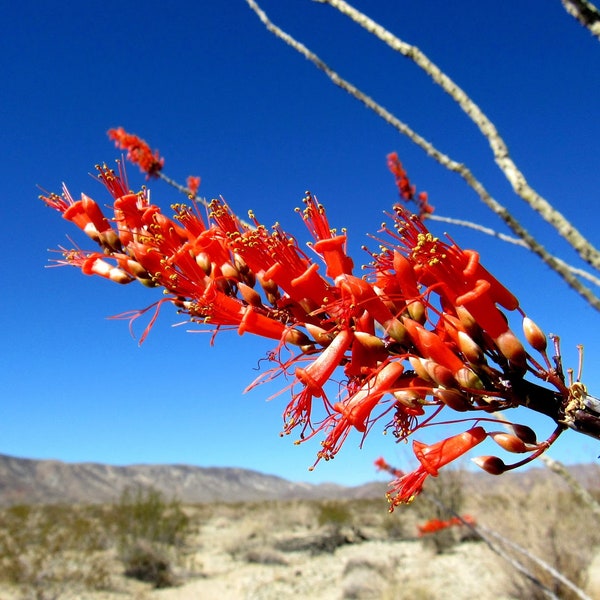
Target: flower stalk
x=428 y=330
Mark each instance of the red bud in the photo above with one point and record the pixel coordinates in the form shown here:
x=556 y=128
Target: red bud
x=512 y=349
x=492 y=464
x=525 y=433
x=534 y=335
x=452 y=398
x=510 y=443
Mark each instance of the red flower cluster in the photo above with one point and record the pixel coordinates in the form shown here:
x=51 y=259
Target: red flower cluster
x=407 y=191
x=138 y=151
x=434 y=525
x=424 y=331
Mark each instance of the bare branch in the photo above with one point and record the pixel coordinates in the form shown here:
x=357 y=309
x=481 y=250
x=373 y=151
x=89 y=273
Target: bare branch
x=577 y=488
x=538 y=561
x=499 y=148
x=486 y=536
x=433 y=152
x=586 y=13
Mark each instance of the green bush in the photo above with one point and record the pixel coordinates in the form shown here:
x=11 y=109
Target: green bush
x=151 y=532
x=334 y=514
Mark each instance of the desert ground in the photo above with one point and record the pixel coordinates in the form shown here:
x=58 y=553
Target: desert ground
x=330 y=549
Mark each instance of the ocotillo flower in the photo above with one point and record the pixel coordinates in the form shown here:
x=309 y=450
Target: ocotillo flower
x=434 y=525
x=138 y=151
x=424 y=331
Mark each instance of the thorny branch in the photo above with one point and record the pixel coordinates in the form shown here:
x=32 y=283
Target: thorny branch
x=443 y=159
x=575 y=486
x=488 y=536
x=484 y=532
x=499 y=148
x=586 y=13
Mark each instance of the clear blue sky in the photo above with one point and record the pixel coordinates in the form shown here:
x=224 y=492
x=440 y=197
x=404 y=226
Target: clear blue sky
x=220 y=97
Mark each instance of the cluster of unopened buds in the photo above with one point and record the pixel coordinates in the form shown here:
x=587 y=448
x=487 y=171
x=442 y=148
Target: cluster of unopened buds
x=424 y=331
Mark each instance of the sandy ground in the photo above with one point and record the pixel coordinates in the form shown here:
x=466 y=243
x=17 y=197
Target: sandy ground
x=271 y=554
x=366 y=570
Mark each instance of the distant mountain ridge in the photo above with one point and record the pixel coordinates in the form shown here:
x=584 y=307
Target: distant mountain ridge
x=24 y=480
x=31 y=481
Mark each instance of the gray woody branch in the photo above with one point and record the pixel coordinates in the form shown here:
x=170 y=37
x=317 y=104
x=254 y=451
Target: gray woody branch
x=443 y=159
x=586 y=13
x=499 y=148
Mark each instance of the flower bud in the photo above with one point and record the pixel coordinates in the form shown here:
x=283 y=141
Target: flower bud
x=468 y=321
x=110 y=239
x=452 y=398
x=250 y=295
x=491 y=464
x=417 y=312
x=534 y=335
x=397 y=331
x=512 y=349
x=419 y=368
x=203 y=261
x=525 y=433
x=408 y=398
x=510 y=443
x=320 y=335
x=370 y=342
x=229 y=271
x=440 y=374
x=296 y=337
x=470 y=350
x=466 y=378
x=270 y=288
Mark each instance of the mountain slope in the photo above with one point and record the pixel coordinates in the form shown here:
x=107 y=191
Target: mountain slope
x=50 y=481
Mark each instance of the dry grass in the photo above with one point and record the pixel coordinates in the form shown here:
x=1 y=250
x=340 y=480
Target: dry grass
x=327 y=549
x=47 y=551
x=554 y=526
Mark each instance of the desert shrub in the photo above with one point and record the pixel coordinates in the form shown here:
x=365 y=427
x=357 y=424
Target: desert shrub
x=43 y=549
x=147 y=562
x=151 y=533
x=444 y=499
x=145 y=514
x=555 y=526
x=334 y=513
x=394 y=525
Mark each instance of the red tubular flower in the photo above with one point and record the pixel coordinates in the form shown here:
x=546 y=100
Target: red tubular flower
x=98 y=266
x=455 y=273
x=221 y=309
x=356 y=409
x=405 y=189
x=434 y=525
x=442 y=343
x=313 y=378
x=364 y=298
x=383 y=465
x=316 y=375
x=333 y=251
x=138 y=151
x=433 y=458
x=431 y=346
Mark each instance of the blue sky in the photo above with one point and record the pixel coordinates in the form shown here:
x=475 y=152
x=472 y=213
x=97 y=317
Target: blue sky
x=222 y=98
